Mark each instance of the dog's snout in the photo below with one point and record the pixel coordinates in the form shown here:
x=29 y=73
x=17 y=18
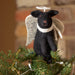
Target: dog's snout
x=44 y=21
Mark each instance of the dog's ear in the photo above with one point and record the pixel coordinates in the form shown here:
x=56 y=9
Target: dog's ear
x=35 y=13
x=53 y=12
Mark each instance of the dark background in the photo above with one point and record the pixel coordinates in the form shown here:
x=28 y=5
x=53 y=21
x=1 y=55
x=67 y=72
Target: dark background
x=7 y=24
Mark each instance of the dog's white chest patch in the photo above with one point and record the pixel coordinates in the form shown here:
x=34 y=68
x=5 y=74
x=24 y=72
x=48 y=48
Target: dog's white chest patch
x=45 y=30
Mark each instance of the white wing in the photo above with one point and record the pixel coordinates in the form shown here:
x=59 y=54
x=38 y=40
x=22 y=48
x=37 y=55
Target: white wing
x=59 y=27
x=59 y=24
x=31 y=26
x=61 y=42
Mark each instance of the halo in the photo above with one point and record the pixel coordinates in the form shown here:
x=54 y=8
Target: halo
x=43 y=7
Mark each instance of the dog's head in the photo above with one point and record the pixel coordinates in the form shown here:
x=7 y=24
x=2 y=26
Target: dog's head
x=44 y=18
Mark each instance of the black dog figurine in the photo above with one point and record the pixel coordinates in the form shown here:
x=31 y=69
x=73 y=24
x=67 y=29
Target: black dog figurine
x=44 y=40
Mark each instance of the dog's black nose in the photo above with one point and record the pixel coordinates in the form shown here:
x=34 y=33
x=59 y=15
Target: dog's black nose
x=44 y=21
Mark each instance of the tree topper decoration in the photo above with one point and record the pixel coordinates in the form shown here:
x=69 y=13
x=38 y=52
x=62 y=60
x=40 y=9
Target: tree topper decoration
x=45 y=31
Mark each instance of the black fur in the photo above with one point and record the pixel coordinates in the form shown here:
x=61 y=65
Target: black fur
x=44 y=42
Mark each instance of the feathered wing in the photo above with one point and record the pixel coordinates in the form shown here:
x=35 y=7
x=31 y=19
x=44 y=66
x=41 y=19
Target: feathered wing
x=58 y=24
x=60 y=42
x=31 y=26
x=58 y=28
